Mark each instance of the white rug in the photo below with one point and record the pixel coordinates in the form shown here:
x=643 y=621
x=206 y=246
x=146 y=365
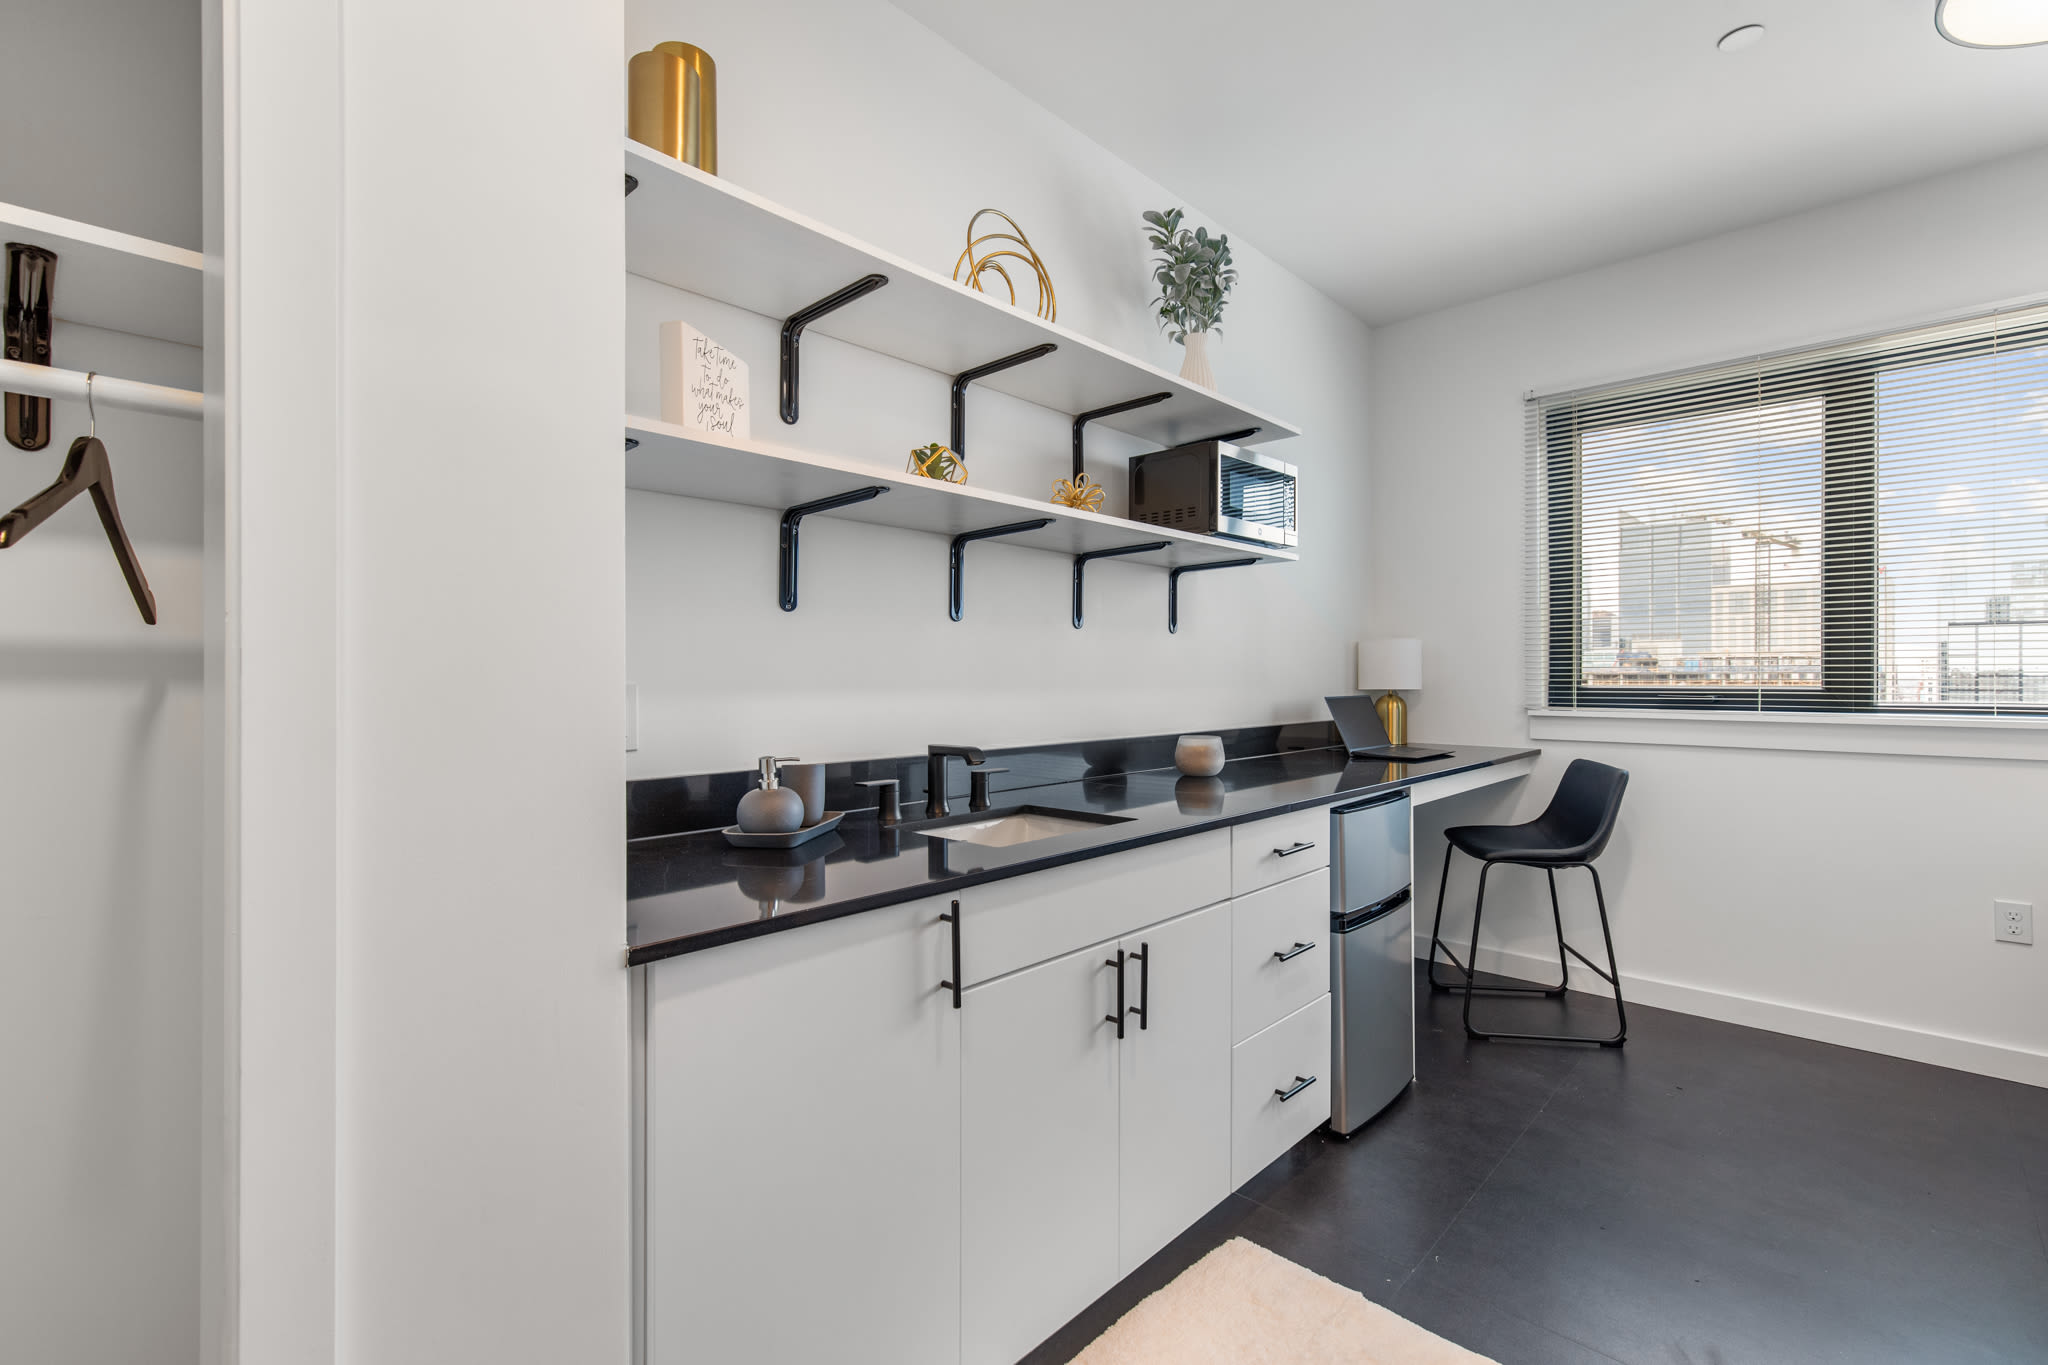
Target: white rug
x=1242 y=1305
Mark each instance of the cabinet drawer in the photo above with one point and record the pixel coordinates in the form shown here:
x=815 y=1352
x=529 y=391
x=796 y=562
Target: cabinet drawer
x=1006 y=926
x=1266 y=927
x=1263 y=1067
x=1268 y=851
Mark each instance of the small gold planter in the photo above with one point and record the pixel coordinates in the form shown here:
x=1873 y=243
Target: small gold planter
x=672 y=103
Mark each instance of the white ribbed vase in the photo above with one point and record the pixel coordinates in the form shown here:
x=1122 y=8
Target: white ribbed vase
x=1195 y=369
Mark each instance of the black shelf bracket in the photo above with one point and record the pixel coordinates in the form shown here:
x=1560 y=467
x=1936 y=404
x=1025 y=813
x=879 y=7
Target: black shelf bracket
x=632 y=183
x=793 y=330
x=966 y=377
x=956 y=586
x=1173 y=586
x=1231 y=435
x=1081 y=562
x=790 y=523
x=632 y=443
x=1083 y=419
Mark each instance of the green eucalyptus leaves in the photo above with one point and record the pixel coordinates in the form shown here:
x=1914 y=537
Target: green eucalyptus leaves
x=1193 y=272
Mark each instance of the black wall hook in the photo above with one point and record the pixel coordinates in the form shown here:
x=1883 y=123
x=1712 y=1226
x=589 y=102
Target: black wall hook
x=966 y=377
x=1083 y=419
x=790 y=522
x=1081 y=562
x=793 y=329
x=956 y=587
x=1173 y=586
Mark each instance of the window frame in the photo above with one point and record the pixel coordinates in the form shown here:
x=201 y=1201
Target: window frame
x=1847 y=385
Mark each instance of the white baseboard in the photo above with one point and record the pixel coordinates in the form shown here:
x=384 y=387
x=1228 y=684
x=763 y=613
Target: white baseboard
x=1868 y=1035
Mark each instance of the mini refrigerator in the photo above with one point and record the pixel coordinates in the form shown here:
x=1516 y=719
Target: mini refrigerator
x=1372 y=960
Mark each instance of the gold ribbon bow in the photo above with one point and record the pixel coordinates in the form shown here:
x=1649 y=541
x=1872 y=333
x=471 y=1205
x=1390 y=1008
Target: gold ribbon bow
x=1078 y=492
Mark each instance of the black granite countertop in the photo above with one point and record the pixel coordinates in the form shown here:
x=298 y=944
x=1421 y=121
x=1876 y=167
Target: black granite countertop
x=691 y=891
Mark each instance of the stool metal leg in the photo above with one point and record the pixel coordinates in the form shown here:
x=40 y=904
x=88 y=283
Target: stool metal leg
x=1612 y=976
x=1436 y=943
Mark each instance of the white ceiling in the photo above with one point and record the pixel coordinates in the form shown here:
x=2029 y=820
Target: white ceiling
x=1405 y=155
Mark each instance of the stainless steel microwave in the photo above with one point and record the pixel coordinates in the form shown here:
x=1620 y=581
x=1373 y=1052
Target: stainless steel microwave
x=1217 y=489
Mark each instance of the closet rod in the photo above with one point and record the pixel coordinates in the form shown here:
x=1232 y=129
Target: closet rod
x=44 y=381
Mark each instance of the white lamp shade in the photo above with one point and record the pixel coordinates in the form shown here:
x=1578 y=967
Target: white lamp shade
x=1389 y=665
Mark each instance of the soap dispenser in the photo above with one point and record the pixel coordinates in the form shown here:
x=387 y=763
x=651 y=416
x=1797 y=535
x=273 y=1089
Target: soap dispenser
x=771 y=808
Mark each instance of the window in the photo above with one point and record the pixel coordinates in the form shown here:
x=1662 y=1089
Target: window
x=1860 y=527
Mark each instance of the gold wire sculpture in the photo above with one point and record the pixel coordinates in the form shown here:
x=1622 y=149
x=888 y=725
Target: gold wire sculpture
x=936 y=462
x=1078 y=492
x=975 y=260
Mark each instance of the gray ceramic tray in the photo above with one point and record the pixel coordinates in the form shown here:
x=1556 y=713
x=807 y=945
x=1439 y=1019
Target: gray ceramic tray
x=739 y=838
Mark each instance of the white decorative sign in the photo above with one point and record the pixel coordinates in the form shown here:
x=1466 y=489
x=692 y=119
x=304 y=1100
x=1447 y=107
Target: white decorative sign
x=703 y=385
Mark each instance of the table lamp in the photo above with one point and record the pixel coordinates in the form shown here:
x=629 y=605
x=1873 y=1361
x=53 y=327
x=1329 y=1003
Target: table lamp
x=1390 y=667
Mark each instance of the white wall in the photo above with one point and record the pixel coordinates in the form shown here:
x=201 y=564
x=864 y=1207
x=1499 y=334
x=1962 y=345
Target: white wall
x=482 y=1143
x=1844 y=897
x=100 y=826
x=855 y=114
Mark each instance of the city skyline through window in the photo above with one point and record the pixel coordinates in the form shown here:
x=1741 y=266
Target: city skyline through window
x=1851 y=528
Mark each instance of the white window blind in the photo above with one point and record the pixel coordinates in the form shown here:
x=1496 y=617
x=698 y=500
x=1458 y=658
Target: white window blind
x=1855 y=527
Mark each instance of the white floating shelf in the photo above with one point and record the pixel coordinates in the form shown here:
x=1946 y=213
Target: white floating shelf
x=696 y=232
x=115 y=280
x=670 y=459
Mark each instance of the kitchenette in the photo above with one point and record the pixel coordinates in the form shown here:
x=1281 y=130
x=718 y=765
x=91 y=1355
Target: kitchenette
x=955 y=1075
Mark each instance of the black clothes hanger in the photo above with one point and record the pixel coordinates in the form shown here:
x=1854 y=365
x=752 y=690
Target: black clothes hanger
x=86 y=469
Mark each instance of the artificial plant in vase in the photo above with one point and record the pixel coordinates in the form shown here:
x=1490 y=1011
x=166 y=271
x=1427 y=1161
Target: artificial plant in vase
x=1195 y=276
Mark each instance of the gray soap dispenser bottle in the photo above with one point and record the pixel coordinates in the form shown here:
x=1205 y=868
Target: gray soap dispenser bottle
x=771 y=808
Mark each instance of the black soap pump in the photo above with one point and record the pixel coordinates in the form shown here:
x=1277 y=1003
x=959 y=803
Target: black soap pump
x=771 y=808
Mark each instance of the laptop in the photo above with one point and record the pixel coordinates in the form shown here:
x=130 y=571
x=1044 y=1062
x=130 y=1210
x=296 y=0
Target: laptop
x=1358 y=725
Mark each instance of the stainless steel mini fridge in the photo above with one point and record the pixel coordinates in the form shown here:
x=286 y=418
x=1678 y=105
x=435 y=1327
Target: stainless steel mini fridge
x=1372 y=960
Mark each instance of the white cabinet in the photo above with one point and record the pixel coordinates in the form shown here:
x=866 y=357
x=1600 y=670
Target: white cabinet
x=1174 y=1158
x=803 y=1147
x=1083 y=1153
x=1281 y=951
x=1038 y=1137
x=1280 y=1088
x=1263 y=852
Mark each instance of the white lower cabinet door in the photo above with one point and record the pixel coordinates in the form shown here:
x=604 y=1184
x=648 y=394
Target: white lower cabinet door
x=1174 y=1139
x=1038 y=1141
x=802 y=1147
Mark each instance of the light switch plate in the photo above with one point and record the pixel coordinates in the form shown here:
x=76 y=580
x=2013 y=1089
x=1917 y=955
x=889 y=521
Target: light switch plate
x=632 y=717
x=2012 y=921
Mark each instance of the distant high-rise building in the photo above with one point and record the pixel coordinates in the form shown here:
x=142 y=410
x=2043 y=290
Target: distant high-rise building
x=1599 y=630
x=1669 y=570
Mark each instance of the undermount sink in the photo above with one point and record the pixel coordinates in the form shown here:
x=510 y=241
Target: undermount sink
x=1024 y=825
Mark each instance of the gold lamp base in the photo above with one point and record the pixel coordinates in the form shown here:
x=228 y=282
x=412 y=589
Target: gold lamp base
x=1394 y=716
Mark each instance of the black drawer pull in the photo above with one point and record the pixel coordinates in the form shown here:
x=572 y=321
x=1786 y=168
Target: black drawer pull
x=1296 y=951
x=1117 y=1018
x=954 y=985
x=1144 y=1006
x=1301 y=1083
x=1290 y=852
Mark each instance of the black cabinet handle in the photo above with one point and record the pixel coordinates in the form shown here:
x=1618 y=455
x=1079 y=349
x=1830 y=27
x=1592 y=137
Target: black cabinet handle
x=1301 y=1083
x=954 y=985
x=1117 y=1018
x=1290 y=954
x=1144 y=1009
x=1290 y=852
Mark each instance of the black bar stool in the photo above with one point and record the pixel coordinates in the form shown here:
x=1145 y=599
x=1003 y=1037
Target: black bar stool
x=1571 y=832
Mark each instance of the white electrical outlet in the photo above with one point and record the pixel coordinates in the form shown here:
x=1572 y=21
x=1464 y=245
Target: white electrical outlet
x=632 y=717
x=2012 y=921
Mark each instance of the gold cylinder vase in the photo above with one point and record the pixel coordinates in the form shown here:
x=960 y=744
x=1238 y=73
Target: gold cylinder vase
x=672 y=103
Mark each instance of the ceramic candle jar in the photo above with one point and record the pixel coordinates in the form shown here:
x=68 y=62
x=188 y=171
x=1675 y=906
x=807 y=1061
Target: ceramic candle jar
x=1199 y=755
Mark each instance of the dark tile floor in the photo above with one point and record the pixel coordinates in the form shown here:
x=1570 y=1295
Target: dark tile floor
x=1709 y=1195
